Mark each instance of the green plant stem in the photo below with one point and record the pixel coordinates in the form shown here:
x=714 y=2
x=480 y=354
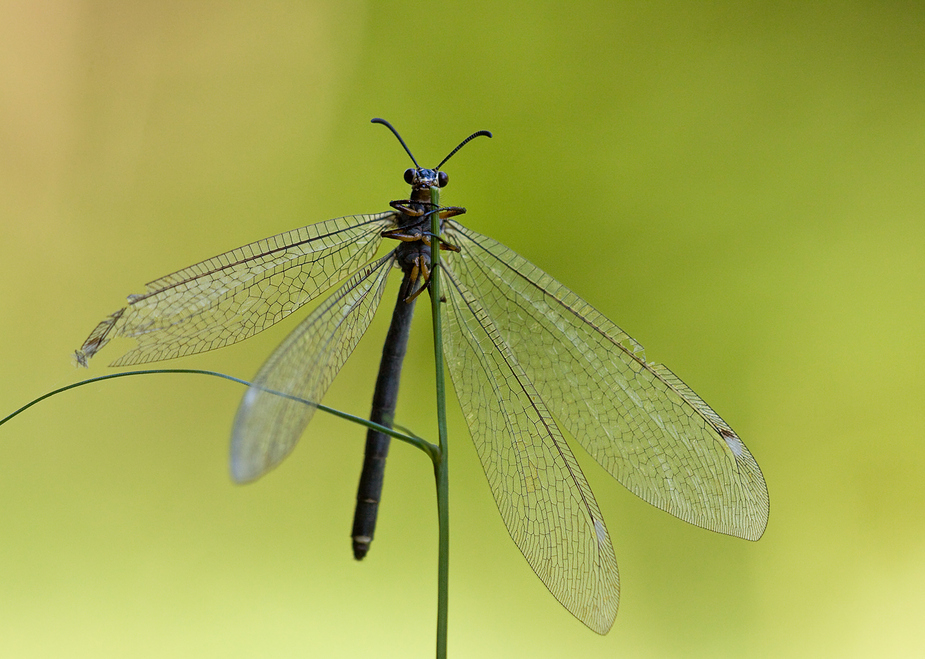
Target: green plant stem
x=427 y=447
x=441 y=475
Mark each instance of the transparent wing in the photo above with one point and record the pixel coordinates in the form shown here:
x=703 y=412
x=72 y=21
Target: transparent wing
x=638 y=420
x=268 y=424
x=542 y=495
x=237 y=294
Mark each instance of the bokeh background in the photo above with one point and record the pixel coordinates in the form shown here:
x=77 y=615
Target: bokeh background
x=738 y=185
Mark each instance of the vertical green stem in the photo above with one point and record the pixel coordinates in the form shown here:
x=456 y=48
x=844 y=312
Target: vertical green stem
x=440 y=465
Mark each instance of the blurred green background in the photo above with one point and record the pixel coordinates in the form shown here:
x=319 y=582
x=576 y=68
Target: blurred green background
x=738 y=185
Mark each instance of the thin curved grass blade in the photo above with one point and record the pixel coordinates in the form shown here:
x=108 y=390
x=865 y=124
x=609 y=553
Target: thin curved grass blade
x=542 y=495
x=638 y=420
x=268 y=425
x=237 y=294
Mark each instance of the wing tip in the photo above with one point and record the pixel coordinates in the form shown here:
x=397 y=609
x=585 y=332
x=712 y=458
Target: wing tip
x=98 y=338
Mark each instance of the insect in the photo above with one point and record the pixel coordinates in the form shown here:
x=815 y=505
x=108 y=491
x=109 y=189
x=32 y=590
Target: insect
x=526 y=356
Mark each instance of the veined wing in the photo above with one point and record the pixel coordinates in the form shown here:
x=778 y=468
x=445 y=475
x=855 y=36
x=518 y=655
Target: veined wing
x=268 y=424
x=544 y=499
x=638 y=420
x=237 y=294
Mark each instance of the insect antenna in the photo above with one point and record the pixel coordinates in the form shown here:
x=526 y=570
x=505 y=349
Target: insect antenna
x=477 y=133
x=408 y=151
x=385 y=123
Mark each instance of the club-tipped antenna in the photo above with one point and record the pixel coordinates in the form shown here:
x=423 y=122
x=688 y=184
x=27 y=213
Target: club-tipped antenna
x=477 y=133
x=385 y=123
